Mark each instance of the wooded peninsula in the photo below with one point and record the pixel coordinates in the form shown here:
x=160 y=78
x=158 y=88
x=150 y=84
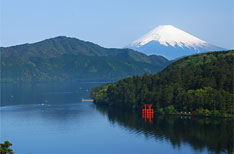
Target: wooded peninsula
x=199 y=84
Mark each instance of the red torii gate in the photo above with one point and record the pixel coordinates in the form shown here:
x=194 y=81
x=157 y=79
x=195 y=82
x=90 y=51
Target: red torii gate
x=148 y=113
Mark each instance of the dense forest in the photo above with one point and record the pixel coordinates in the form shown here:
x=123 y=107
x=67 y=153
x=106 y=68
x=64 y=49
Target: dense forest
x=63 y=58
x=200 y=84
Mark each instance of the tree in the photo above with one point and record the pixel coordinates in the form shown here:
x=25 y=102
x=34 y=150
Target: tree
x=4 y=148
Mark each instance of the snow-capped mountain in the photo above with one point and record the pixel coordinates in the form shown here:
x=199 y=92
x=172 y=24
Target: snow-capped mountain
x=171 y=42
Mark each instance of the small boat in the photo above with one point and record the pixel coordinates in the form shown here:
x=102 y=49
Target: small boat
x=86 y=100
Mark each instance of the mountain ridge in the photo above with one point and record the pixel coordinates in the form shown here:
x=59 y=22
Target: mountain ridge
x=171 y=42
x=65 y=58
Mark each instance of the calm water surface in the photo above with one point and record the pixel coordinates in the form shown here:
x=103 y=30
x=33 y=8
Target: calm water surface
x=49 y=118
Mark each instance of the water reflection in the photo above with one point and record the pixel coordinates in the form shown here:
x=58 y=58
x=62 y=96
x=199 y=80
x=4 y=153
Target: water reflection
x=214 y=134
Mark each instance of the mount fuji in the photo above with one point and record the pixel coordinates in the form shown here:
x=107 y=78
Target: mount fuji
x=171 y=42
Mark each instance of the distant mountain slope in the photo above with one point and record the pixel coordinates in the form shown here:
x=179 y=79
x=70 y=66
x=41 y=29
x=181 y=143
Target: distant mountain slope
x=64 y=58
x=171 y=43
x=202 y=83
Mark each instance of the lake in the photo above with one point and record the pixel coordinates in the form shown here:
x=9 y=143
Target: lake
x=49 y=118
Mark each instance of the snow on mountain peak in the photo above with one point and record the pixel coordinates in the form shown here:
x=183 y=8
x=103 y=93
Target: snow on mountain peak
x=169 y=35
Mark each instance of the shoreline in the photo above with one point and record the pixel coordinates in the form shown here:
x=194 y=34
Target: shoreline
x=156 y=112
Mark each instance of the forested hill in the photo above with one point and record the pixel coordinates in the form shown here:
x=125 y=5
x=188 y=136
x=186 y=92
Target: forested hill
x=202 y=84
x=64 y=58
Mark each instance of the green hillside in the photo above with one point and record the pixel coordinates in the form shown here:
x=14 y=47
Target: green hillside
x=202 y=84
x=63 y=58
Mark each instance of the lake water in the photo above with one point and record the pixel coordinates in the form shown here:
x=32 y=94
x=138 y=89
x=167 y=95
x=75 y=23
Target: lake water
x=49 y=118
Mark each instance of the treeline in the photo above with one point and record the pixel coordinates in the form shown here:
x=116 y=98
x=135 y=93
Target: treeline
x=199 y=84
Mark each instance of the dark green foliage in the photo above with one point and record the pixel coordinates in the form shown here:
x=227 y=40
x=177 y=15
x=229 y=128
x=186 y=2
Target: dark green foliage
x=64 y=58
x=4 y=148
x=202 y=83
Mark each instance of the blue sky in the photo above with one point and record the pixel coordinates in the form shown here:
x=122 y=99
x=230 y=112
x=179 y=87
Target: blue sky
x=113 y=23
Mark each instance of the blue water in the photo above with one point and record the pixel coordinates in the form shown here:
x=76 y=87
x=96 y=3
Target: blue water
x=51 y=119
